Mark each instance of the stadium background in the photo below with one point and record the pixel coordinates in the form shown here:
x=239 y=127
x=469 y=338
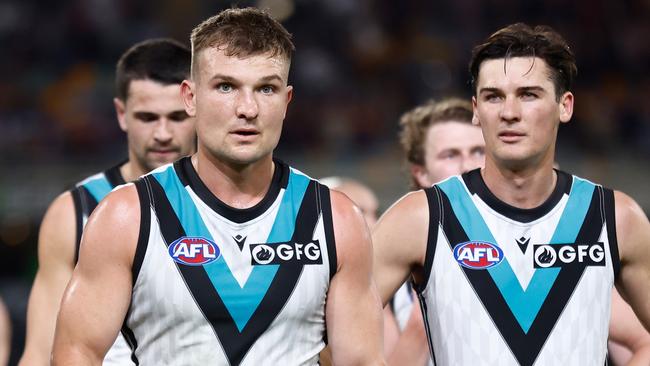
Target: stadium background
x=358 y=66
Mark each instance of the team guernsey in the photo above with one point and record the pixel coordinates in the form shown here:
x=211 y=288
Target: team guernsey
x=85 y=196
x=510 y=286
x=215 y=285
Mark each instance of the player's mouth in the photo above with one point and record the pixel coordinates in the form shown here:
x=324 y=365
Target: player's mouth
x=245 y=134
x=163 y=153
x=510 y=136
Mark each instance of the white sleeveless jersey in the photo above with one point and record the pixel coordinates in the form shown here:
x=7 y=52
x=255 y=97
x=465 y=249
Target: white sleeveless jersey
x=214 y=285
x=85 y=196
x=508 y=286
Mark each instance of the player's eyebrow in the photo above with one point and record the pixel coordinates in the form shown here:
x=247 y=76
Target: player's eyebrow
x=489 y=90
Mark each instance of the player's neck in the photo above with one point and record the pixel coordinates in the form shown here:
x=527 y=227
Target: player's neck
x=131 y=171
x=239 y=186
x=522 y=188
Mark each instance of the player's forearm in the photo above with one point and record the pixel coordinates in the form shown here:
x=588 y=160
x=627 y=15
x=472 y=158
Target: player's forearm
x=411 y=348
x=641 y=357
x=33 y=355
x=71 y=354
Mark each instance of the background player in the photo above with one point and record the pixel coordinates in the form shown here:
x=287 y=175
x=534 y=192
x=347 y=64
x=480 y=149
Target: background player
x=438 y=140
x=522 y=78
x=232 y=197
x=150 y=111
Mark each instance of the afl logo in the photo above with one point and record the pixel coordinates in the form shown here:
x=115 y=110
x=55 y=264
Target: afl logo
x=478 y=254
x=194 y=251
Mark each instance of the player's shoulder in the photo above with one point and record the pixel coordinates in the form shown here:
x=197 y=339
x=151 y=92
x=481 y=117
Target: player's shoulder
x=626 y=207
x=119 y=212
x=343 y=207
x=409 y=207
x=57 y=233
x=632 y=226
x=116 y=219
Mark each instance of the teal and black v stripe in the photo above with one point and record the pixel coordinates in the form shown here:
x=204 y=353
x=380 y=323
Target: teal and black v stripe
x=524 y=317
x=238 y=315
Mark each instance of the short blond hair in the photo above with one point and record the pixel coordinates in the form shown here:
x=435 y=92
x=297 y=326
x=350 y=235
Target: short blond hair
x=415 y=123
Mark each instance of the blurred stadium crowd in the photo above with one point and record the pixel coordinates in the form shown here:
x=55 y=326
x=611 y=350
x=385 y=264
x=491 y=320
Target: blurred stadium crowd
x=359 y=65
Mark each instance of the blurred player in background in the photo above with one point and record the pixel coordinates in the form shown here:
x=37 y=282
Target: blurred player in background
x=151 y=112
x=438 y=140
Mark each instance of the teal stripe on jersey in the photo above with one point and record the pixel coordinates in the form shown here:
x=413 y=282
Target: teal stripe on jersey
x=524 y=303
x=98 y=187
x=241 y=302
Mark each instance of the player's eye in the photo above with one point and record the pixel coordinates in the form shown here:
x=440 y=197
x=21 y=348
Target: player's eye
x=224 y=87
x=267 y=89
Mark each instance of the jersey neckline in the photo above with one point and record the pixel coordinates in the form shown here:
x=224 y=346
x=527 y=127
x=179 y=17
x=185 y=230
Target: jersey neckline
x=476 y=185
x=114 y=175
x=189 y=177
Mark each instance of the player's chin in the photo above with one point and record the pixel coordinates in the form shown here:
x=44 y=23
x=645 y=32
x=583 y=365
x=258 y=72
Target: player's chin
x=157 y=159
x=247 y=155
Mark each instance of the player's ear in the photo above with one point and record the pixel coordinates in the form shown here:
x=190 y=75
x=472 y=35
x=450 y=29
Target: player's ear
x=289 y=97
x=419 y=173
x=120 y=110
x=189 y=98
x=475 y=120
x=566 y=107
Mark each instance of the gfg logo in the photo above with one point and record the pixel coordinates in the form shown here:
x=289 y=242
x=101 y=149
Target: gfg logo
x=193 y=251
x=286 y=252
x=561 y=255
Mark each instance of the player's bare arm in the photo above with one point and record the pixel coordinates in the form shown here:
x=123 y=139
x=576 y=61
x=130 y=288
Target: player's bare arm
x=353 y=310
x=98 y=295
x=56 y=248
x=626 y=331
x=411 y=348
x=399 y=241
x=633 y=236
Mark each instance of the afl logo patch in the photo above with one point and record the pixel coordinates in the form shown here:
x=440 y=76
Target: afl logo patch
x=478 y=254
x=193 y=251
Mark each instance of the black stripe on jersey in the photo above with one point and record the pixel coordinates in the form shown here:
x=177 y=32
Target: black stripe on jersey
x=610 y=218
x=326 y=209
x=234 y=343
x=129 y=337
x=425 y=318
x=114 y=176
x=435 y=215
x=189 y=177
x=476 y=185
x=87 y=203
x=79 y=220
x=525 y=346
x=145 y=197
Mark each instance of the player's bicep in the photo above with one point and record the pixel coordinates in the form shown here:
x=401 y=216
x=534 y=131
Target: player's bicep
x=353 y=309
x=399 y=241
x=98 y=295
x=56 y=246
x=633 y=232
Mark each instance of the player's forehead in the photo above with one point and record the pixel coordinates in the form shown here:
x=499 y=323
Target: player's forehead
x=151 y=95
x=217 y=60
x=453 y=135
x=513 y=72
